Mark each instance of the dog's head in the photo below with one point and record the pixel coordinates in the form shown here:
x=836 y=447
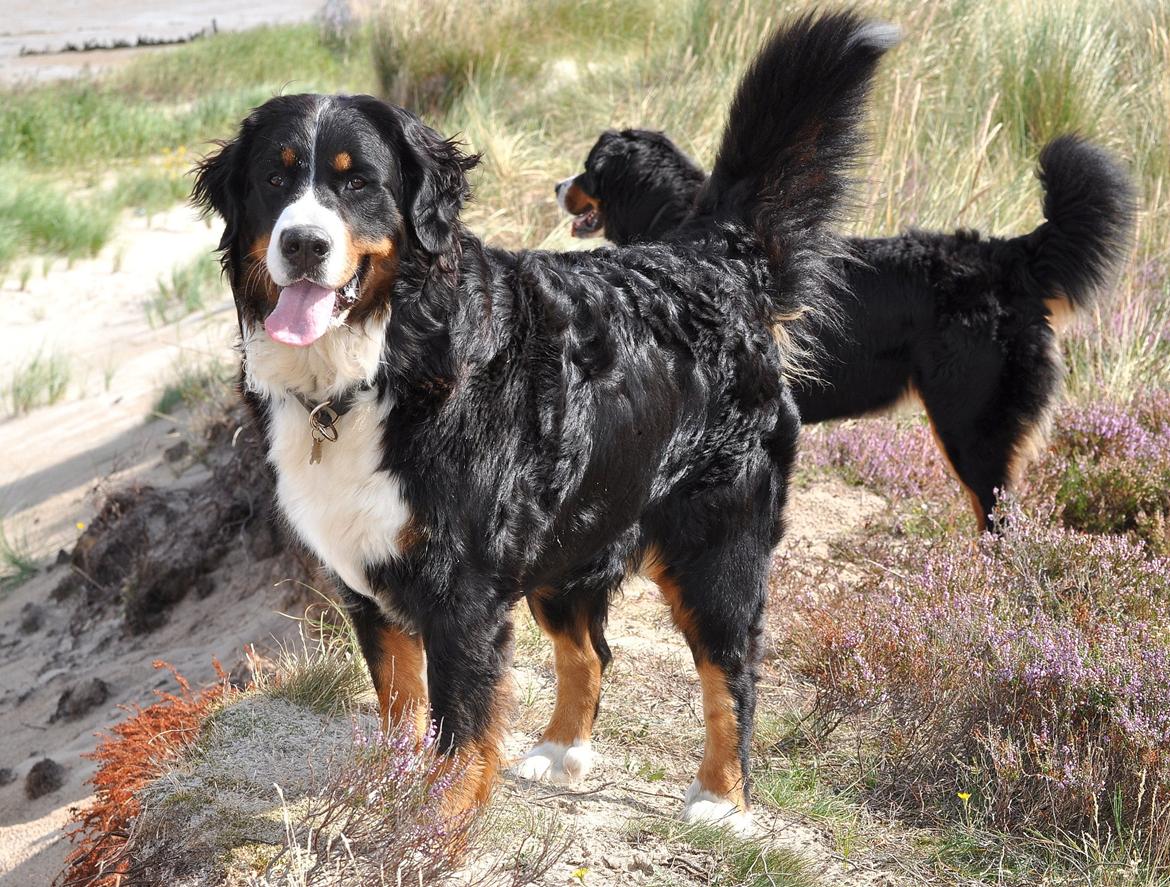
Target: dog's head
x=323 y=198
x=637 y=185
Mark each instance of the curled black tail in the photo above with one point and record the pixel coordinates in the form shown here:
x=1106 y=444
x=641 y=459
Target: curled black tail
x=793 y=132
x=1089 y=207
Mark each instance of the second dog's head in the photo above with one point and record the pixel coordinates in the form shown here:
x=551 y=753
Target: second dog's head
x=637 y=185
x=322 y=199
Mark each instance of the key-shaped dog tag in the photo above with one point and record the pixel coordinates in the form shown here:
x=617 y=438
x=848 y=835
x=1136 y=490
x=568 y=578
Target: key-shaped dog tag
x=323 y=426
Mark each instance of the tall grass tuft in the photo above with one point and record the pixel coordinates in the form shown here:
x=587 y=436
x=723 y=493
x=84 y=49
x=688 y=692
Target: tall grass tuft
x=188 y=290
x=39 y=217
x=43 y=381
x=194 y=383
x=323 y=670
x=17 y=562
x=1057 y=75
x=503 y=39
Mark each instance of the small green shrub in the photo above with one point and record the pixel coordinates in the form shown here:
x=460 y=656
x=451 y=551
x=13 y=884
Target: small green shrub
x=17 y=563
x=1109 y=469
x=741 y=862
x=194 y=383
x=188 y=290
x=41 y=382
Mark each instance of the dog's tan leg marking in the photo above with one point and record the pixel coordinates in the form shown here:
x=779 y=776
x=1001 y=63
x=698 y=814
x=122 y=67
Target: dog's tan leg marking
x=400 y=679
x=477 y=763
x=564 y=753
x=717 y=794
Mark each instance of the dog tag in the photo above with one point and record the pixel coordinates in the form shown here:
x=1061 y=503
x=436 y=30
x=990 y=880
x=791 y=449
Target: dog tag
x=323 y=427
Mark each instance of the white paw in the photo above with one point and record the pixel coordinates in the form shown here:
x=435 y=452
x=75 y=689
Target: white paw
x=707 y=807
x=553 y=762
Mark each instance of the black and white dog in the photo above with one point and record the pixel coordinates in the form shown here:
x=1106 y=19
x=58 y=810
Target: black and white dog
x=965 y=324
x=455 y=428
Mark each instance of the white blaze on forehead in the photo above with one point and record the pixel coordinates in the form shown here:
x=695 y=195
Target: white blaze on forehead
x=307 y=210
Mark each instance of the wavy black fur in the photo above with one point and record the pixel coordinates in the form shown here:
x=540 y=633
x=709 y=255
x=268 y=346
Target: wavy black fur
x=965 y=323
x=550 y=419
x=786 y=156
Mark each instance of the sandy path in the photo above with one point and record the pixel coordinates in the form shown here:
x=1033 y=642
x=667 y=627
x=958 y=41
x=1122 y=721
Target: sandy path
x=55 y=458
x=93 y=312
x=649 y=732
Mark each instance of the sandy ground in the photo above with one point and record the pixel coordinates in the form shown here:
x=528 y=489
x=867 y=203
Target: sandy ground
x=39 y=27
x=57 y=460
x=93 y=312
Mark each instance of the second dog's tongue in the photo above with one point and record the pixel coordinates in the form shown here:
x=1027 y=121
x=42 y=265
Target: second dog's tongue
x=302 y=314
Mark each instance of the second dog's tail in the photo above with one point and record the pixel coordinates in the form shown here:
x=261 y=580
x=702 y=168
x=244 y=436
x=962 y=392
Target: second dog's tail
x=792 y=134
x=1089 y=210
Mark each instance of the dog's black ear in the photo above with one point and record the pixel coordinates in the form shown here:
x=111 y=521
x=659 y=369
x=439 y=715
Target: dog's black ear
x=434 y=173
x=220 y=185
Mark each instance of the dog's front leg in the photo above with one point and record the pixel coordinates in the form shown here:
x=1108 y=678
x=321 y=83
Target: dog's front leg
x=396 y=663
x=469 y=650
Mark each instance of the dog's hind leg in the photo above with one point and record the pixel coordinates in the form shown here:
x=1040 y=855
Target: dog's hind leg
x=396 y=663
x=986 y=459
x=574 y=620
x=717 y=601
x=976 y=472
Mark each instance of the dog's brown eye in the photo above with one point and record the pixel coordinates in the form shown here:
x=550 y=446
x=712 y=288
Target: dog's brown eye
x=356 y=183
x=276 y=180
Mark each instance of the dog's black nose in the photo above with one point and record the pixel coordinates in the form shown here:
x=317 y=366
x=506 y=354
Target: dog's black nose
x=304 y=247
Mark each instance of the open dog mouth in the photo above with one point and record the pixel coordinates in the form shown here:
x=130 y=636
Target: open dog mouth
x=304 y=310
x=588 y=223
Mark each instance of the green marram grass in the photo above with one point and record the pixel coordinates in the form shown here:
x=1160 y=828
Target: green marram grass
x=18 y=564
x=323 y=670
x=739 y=862
x=195 y=381
x=960 y=112
x=43 y=381
x=188 y=288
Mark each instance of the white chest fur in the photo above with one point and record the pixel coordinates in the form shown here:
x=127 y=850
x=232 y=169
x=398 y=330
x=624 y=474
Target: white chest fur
x=345 y=508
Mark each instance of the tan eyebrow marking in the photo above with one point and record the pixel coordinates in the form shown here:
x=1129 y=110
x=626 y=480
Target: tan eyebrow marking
x=342 y=161
x=288 y=157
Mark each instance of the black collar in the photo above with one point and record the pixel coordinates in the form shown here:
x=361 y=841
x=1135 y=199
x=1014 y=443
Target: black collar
x=338 y=406
x=323 y=416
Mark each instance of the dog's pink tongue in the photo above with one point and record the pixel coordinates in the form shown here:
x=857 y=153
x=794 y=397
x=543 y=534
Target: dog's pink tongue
x=302 y=314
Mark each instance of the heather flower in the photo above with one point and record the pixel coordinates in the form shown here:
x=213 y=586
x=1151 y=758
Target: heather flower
x=1036 y=666
x=897 y=460
x=1109 y=469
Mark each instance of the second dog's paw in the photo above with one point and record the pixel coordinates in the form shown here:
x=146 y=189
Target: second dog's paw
x=554 y=762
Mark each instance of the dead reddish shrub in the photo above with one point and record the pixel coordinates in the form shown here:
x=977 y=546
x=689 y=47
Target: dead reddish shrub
x=134 y=753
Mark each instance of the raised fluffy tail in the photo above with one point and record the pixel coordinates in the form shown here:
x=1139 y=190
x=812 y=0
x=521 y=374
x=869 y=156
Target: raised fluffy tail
x=1089 y=207
x=793 y=131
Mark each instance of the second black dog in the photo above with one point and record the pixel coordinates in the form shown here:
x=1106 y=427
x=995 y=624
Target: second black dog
x=966 y=324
